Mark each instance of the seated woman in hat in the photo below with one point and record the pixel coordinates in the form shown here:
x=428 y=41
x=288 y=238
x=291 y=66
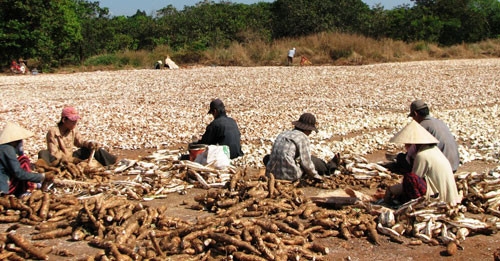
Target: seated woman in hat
x=14 y=179
x=430 y=164
x=62 y=138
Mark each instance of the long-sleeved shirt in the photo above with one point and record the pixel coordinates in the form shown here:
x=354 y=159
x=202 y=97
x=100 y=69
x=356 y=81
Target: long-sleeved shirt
x=447 y=143
x=291 y=156
x=61 y=145
x=11 y=168
x=431 y=164
x=223 y=131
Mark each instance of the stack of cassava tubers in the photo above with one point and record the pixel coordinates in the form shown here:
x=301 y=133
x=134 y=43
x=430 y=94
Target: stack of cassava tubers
x=257 y=219
x=161 y=173
x=154 y=177
x=254 y=218
x=51 y=217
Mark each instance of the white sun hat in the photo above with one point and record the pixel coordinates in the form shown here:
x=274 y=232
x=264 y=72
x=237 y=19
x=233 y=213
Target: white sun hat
x=414 y=133
x=13 y=132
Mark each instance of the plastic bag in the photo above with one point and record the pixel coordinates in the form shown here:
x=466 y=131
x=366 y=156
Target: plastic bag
x=215 y=155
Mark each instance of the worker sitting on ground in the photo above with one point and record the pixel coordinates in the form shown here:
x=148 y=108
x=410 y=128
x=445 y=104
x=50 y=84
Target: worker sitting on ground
x=304 y=61
x=15 y=67
x=290 y=157
x=430 y=164
x=158 y=65
x=62 y=138
x=16 y=177
x=223 y=130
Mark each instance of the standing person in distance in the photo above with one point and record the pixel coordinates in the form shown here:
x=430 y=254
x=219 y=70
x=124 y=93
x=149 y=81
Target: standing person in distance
x=291 y=54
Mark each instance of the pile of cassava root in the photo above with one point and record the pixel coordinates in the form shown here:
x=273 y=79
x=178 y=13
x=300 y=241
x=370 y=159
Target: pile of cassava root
x=254 y=218
x=257 y=219
x=161 y=173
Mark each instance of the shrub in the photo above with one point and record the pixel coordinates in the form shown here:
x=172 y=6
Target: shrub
x=336 y=54
x=106 y=59
x=420 y=46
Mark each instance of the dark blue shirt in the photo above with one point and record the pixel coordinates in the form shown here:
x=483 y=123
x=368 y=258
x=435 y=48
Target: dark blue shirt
x=223 y=131
x=11 y=168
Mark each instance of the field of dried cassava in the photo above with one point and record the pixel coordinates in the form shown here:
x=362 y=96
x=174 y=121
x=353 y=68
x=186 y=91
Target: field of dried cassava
x=136 y=113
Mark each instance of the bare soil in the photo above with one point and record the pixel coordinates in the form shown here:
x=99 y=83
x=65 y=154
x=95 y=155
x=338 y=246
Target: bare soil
x=475 y=247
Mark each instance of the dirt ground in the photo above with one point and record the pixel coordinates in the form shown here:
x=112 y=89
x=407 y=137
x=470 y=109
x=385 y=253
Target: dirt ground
x=475 y=247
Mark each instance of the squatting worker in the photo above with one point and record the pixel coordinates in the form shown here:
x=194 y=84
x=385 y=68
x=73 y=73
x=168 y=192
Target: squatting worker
x=61 y=140
x=429 y=163
x=419 y=111
x=223 y=130
x=290 y=157
x=15 y=180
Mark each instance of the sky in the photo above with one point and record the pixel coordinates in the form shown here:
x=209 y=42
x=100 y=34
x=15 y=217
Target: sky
x=130 y=7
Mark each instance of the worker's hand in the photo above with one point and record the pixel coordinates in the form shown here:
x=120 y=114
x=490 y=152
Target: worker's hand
x=49 y=176
x=316 y=177
x=94 y=145
x=66 y=160
x=55 y=163
x=47 y=180
x=337 y=159
x=70 y=160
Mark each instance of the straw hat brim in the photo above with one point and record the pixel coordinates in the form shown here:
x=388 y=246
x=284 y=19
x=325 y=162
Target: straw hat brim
x=13 y=132
x=414 y=133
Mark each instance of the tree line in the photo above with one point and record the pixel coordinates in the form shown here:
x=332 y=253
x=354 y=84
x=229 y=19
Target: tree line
x=67 y=32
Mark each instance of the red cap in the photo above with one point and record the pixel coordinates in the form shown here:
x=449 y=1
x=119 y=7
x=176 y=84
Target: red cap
x=70 y=113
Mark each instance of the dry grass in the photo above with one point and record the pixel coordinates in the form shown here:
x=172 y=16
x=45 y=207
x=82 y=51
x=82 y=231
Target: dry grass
x=320 y=49
x=345 y=49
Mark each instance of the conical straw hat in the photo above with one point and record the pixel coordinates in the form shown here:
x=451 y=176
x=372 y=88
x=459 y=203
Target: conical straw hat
x=414 y=133
x=13 y=132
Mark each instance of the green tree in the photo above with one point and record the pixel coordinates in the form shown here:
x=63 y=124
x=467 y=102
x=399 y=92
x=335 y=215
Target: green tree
x=96 y=29
x=47 y=30
x=209 y=24
x=19 y=29
x=454 y=21
x=413 y=24
x=121 y=39
x=142 y=29
x=293 y=18
x=378 y=22
x=486 y=13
